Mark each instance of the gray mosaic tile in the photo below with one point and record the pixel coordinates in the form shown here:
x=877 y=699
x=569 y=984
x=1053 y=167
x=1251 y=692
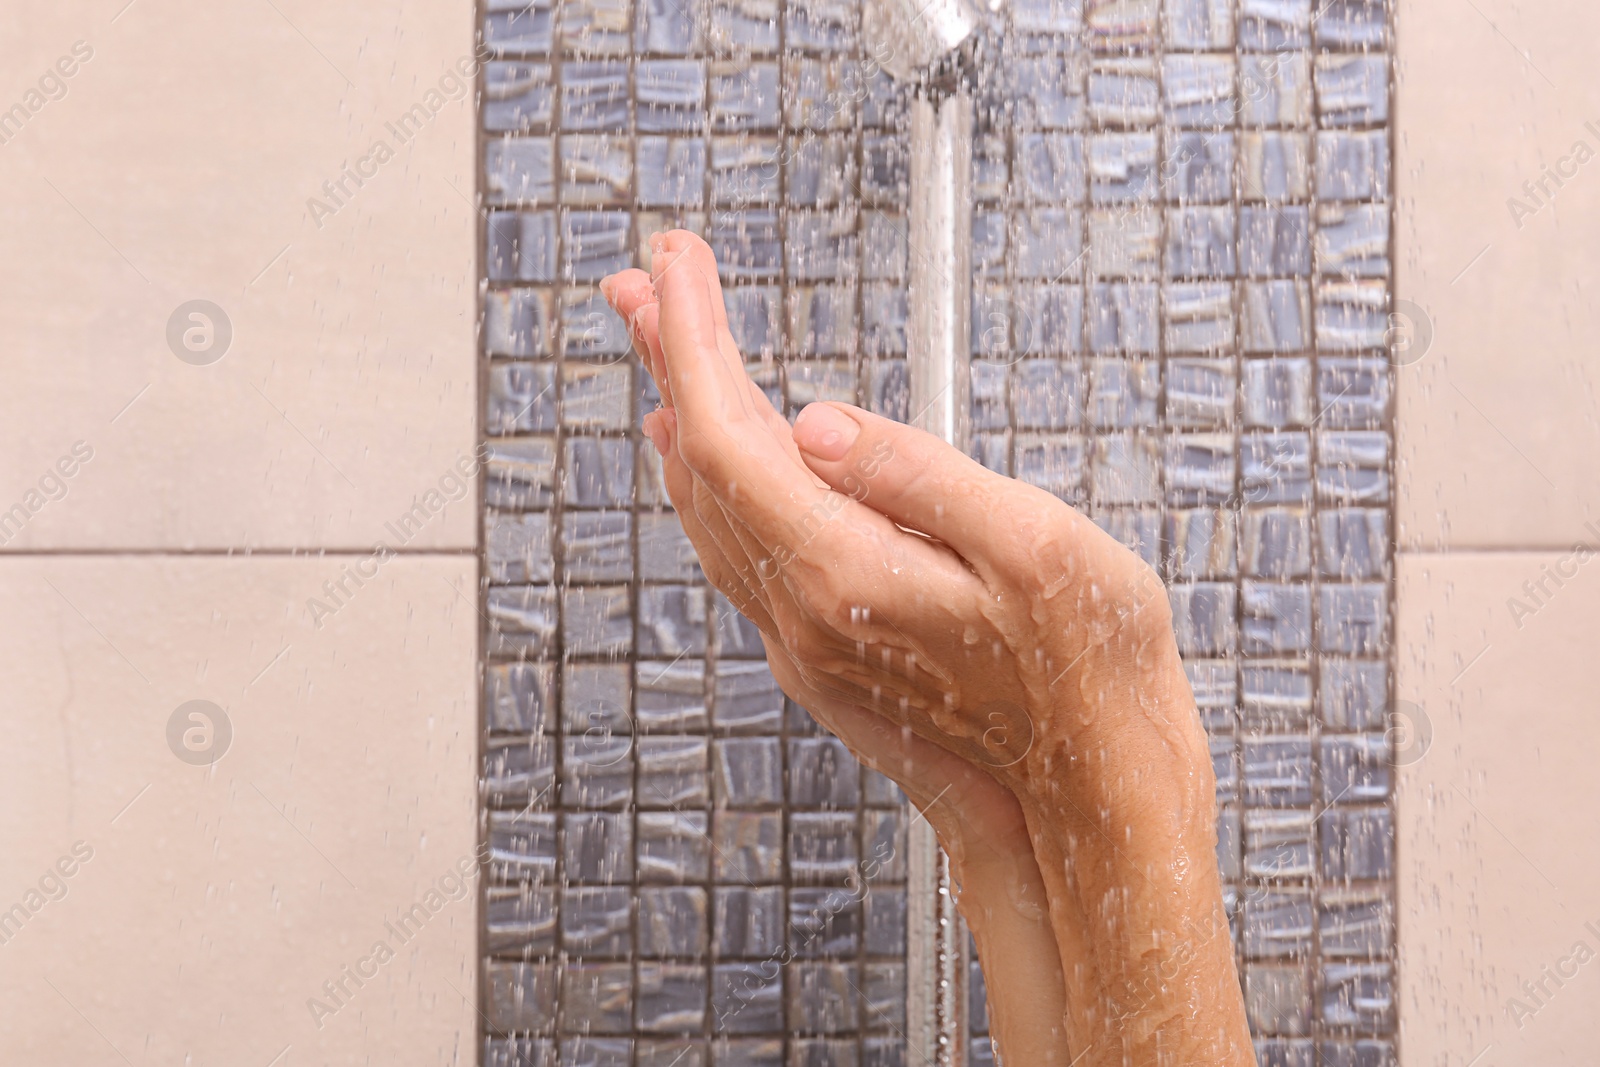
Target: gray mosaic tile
x=749 y=846
x=1274 y=25
x=521 y=921
x=1277 y=392
x=1200 y=393
x=1125 y=242
x=1198 y=90
x=1124 y=91
x=517 y=548
x=748 y=699
x=596 y=170
x=1278 y=998
x=822 y=998
x=671 y=696
x=1276 y=542
x=1352 y=393
x=1353 y=240
x=1276 y=240
x=518 y=97
x=522 y=621
x=822 y=847
x=1199 y=167
x=1278 y=844
x=749 y=922
x=1352 y=165
x=672 y=620
x=1355 y=694
x=521 y=399
x=748 y=771
x=674 y=847
x=1352 y=90
x=1356 y=843
x=522 y=847
x=522 y=246
x=1275 y=89
x=1200 y=544
x=822 y=774
x=1359 y=996
x=1355 y=923
x=747 y=998
x=597 y=922
x=672 y=997
x=597 y=847
x=1051 y=167
x=1199 y=316
x=672 y=772
x=521 y=996
x=519 y=771
x=519 y=698
x=519 y=27
x=1122 y=167
x=1277 y=771
x=1276 y=696
x=1276 y=618
x=824 y=922
x=1278 y=925
x=1353 y=24
x=1274 y=166
x=518 y=322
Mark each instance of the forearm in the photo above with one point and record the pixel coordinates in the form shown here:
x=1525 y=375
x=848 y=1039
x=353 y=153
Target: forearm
x=1123 y=825
x=1003 y=900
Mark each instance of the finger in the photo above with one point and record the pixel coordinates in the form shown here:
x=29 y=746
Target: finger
x=683 y=248
x=726 y=566
x=630 y=293
x=647 y=323
x=921 y=482
x=725 y=436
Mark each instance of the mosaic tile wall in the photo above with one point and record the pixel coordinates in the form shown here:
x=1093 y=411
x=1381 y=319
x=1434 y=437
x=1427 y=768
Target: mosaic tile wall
x=1183 y=252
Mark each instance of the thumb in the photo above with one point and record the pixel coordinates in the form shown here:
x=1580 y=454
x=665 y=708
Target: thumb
x=914 y=478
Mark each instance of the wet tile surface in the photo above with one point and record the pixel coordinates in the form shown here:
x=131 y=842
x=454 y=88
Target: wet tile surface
x=1183 y=233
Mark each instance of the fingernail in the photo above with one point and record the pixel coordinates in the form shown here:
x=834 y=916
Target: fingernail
x=607 y=287
x=655 y=431
x=825 y=431
x=657 y=239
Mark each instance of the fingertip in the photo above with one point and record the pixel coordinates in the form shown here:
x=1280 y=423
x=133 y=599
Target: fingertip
x=653 y=429
x=826 y=432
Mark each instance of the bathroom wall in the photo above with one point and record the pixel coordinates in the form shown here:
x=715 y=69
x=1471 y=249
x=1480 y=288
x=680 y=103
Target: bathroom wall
x=202 y=500
x=1498 y=596
x=187 y=504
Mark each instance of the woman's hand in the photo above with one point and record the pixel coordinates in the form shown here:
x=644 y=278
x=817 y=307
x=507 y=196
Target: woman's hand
x=978 y=821
x=890 y=573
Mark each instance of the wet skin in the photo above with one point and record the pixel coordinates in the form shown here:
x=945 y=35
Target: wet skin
x=1010 y=665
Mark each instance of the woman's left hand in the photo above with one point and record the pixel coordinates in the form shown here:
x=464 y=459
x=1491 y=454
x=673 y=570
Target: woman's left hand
x=891 y=574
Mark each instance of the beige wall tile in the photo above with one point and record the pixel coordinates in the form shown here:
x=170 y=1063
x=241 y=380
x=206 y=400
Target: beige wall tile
x=218 y=900
x=178 y=166
x=1499 y=874
x=1499 y=423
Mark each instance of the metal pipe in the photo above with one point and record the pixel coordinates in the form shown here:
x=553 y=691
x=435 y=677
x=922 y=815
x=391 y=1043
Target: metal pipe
x=938 y=364
x=919 y=42
x=939 y=329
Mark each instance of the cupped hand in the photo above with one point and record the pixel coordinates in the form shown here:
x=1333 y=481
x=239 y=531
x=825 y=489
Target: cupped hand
x=893 y=577
x=978 y=821
x=886 y=570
